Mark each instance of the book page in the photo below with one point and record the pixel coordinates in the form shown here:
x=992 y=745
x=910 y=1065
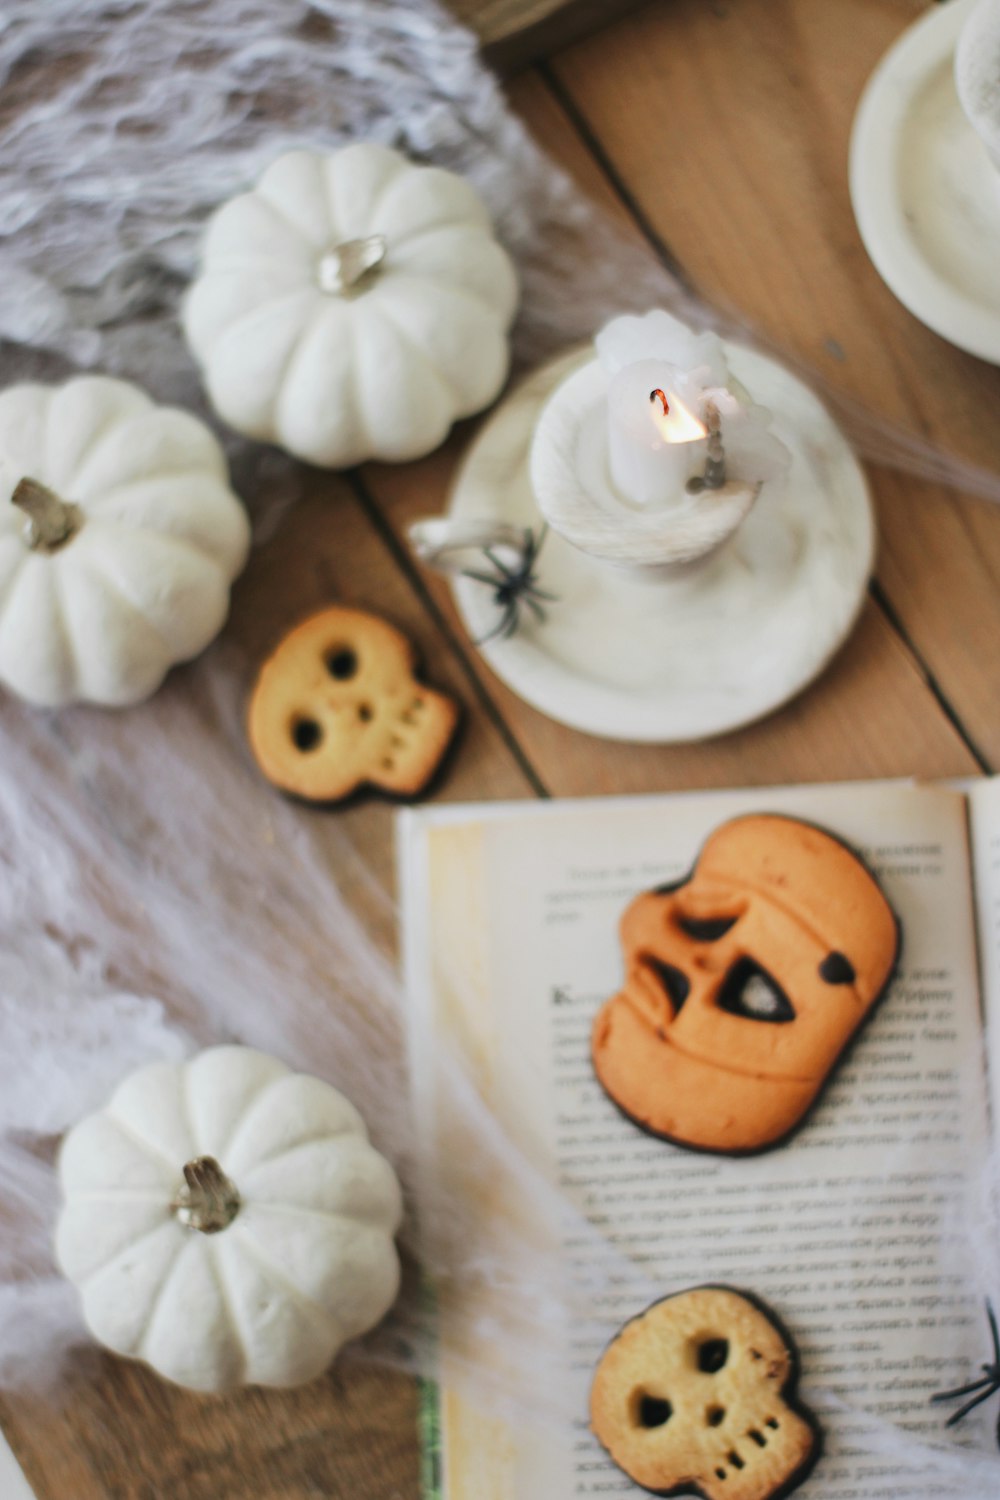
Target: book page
x=984 y=824
x=843 y=1230
x=13 y=1485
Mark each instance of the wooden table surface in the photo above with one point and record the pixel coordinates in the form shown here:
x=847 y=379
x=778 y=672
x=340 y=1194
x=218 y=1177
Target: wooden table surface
x=719 y=129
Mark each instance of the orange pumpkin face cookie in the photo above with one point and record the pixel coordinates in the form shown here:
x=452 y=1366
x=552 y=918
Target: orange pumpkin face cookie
x=697 y=1396
x=743 y=986
x=337 y=706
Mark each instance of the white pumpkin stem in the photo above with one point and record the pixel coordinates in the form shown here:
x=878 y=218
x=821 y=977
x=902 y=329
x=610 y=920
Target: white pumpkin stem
x=52 y=521
x=341 y=268
x=208 y=1201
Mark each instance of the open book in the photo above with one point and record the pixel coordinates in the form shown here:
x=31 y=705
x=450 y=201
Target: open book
x=853 y=1231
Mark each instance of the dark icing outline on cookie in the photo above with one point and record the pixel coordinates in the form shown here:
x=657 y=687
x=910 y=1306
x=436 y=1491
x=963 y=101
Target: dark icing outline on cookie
x=788 y=1392
x=667 y=889
x=366 y=791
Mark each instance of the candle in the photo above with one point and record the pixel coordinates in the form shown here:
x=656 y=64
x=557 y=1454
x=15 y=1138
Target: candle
x=652 y=454
x=656 y=443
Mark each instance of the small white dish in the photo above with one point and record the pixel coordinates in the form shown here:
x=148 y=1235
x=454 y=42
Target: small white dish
x=926 y=195
x=709 y=649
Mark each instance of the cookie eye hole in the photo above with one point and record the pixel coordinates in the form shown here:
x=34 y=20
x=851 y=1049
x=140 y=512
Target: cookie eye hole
x=715 y=1415
x=341 y=663
x=306 y=734
x=837 y=968
x=712 y=1355
x=751 y=992
x=706 y=929
x=650 y=1411
x=674 y=981
x=365 y=713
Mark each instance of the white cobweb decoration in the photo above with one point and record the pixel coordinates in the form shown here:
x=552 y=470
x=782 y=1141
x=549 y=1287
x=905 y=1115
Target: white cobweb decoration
x=185 y=904
x=173 y=107
x=124 y=123
x=156 y=896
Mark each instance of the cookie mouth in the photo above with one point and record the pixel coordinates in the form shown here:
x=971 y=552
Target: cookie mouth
x=755 y=1075
x=741 y=1454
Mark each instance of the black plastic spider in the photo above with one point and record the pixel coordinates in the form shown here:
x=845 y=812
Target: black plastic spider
x=513 y=586
x=979 y=1390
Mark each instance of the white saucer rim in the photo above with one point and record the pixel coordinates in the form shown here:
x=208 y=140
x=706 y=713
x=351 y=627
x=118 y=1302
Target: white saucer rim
x=530 y=672
x=884 y=106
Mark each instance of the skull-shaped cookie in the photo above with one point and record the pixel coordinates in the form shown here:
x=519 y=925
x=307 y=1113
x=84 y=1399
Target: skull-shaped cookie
x=697 y=1395
x=744 y=984
x=337 y=706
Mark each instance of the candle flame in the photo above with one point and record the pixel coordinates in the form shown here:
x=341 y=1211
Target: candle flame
x=674 y=422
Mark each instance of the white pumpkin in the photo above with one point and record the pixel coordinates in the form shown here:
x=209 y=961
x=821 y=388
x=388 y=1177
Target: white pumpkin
x=227 y=1221
x=352 y=306
x=117 y=553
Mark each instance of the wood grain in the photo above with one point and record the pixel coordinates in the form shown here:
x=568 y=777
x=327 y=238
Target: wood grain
x=120 y=1433
x=514 y=33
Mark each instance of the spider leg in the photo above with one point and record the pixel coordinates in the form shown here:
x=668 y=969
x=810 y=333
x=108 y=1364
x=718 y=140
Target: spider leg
x=965 y=1390
x=511 y=621
x=501 y=567
x=963 y=1411
x=504 y=627
x=491 y=635
x=994 y=1331
x=534 y=606
x=533 y=543
x=532 y=588
x=483 y=578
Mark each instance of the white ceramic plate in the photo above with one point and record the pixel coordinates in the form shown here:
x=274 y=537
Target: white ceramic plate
x=717 y=648
x=926 y=195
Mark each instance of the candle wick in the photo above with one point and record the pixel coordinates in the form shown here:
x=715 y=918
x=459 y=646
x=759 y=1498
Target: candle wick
x=715 y=458
x=663 y=397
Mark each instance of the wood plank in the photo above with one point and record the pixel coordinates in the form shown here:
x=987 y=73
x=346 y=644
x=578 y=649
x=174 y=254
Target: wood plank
x=531 y=96
x=729 y=125
x=514 y=33
x=115 y=1429
x=123 y=1433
